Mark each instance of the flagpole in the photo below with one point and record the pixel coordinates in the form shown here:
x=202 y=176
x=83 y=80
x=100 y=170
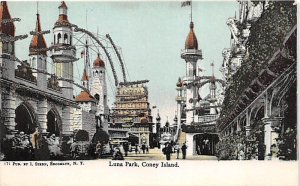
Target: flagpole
x=191 y=11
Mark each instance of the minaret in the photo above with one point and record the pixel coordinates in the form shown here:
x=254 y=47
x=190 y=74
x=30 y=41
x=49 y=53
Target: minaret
x=191 y=54
x=38 y=59
x=99 y=91
x=179 y=100
x=85 y=79
x=63 y=65
x=212 y=88
x=7 y=70
x=7 y=66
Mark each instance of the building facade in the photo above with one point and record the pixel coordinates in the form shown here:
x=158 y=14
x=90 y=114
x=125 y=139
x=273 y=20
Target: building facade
x=258 y=118
x=132 y=111
x=196 y=114
x=35 y=101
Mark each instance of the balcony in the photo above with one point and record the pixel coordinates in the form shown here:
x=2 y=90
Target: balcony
x=208 y=118
x=180 y=98
x=191 y=53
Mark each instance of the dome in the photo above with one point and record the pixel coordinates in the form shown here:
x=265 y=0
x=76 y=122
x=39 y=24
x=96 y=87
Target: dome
x=144 y=120
x=84 y=97
x=63 y=5
x=63 y=17
x=37 y=41
x=9 y=28
x=99 y=62
x=191 y=40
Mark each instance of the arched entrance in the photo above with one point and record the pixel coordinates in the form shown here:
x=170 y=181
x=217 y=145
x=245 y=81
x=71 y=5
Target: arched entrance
x=53 y=123
x=205 y=143
x=25 y=119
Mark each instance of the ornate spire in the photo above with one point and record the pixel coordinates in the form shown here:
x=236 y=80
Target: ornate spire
x=99 y=62
x=8 y=28
x=38 y=40
x=191 y=40
x=63 y=16
x=85 y=77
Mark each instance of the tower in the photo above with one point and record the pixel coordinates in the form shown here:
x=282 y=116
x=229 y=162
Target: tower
x=99 y=91
x=7 y=66
x=38 y=59
x=191 y=54
x=63 y=53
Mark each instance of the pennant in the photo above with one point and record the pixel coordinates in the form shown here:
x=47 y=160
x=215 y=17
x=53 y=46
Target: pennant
x=185 y=3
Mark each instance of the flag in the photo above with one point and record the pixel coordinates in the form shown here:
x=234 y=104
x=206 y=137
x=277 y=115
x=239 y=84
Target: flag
x=212 y=64
x=82 y=54
x=154 y=107
x=185 y=3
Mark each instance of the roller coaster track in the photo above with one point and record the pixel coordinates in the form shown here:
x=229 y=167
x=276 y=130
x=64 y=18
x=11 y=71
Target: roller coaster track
x=119 y=57
x=77 y=29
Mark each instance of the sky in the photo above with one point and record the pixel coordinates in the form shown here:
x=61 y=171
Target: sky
x=151 y=36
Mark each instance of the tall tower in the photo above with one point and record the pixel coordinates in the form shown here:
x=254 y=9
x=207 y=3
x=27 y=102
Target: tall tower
x=38 y=59
x=99 y=91
x=7 y=66
x=191 y=54
x=63 y=53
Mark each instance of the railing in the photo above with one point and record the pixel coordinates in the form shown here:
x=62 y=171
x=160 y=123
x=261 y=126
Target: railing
x=191 y=51
x=207 y=118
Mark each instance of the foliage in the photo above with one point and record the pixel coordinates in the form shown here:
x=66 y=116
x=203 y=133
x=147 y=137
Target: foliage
x=255 y=141
x=82 y=135
x=238 y=146
x=287 y=144
x=230 y=146
x=266 y=36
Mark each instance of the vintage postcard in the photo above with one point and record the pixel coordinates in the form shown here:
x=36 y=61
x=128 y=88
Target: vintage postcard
x=144 y=91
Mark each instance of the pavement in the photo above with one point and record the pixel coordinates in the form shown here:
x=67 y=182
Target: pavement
x=156 y=154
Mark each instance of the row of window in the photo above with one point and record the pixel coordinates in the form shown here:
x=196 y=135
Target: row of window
x=58 y=39
x=131 y=105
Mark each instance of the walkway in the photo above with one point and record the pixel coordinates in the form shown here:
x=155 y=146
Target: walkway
x=156 y=154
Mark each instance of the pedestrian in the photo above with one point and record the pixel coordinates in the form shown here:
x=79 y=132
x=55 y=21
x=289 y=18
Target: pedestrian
x=126 y=148
x=98 y=150
x=117 y=154
x=177 y=150
x=147 y=149
x=167 y=150
x=143 y=148
x=136 y=149
x=183 y=149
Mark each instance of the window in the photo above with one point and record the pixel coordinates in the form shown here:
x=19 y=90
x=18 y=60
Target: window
x=97 y=97
x=54 y=39
x=33 y=62
x=70 y=40
x=59 y=38
x=66 y=38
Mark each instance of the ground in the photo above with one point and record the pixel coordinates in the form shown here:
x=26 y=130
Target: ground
x=156 y=154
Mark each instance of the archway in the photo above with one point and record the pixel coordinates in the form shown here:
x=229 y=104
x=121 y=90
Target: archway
x=25 y=119
x=53 y=123
x=205 y=143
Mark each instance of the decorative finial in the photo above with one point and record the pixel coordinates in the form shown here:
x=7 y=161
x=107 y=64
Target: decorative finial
x=37 y=7
x=212 y=67
x=191 y=25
